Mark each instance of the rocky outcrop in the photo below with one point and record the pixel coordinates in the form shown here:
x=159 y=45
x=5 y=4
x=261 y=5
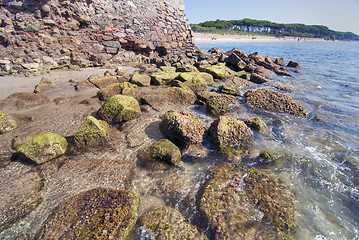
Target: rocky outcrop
x=100 y=213
x=36 y=35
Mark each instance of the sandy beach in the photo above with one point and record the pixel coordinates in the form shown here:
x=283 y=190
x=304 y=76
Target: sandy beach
x=223 y=38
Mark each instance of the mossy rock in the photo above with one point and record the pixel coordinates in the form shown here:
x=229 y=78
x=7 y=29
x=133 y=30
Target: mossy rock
x=44 y=84
x=227 y=133
x=20 y=193
x=234 y=86
x=196 y=77
x=187 y=68
x=96 y=214
x=221 y=103
x=163 y=77
x=101 y=82
x=141 y=80
x=44 y=147
x=184 y=127
x=269 y=100
x=205 y=95
x=160 y=155
x=124 y=88
x=220 y=71
x=257 y=124
x=249 y=204
x=168 y=223
x=278 y=158
x=119 y=109
x=92 y=133
x=167 y=69
x=7 y=123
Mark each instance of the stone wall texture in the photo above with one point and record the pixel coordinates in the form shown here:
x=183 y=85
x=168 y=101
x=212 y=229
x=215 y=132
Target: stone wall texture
x=49 y=34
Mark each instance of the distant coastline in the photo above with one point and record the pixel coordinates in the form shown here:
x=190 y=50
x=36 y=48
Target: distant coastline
x=222 y=38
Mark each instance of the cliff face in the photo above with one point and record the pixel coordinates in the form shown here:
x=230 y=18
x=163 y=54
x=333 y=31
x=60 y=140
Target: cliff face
x=54 y=33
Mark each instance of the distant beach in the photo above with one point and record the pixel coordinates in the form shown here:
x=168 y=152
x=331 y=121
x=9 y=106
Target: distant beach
x=212 y=38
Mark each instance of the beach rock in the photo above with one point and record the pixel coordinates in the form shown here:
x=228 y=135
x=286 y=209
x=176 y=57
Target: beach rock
x=234 y=86
x=43 y=148
x=196 y=77
x=280 y=61
x=220 y=71
x=229 y=133
x=92 y=133
x=119 y=109
x=141 y=80
x=294 y=65
x=163 y=77
x=168 y=223
x=264 y=72
x=22 y=100
x=221 y=103
x=257 y=124
x=186 y=68
x=243 y=204
x=235 y=61
x=99 y=213
x=162 y=151
x=7 y=123
x=124 y=88
x=101 y=82
x=205 y=95
x=269 y=100
x=184 y=127
x=256 y=78
x=44 y=84
x=20 y=193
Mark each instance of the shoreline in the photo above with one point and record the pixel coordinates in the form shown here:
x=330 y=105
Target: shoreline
x=228 y=38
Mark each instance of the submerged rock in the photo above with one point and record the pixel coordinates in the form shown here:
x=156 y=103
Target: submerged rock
x=167 y=223
x=124 y=88
x=7 y=123
x=269 y=100
x=119 y=109
x=234 y=86
x=257 y=124
x=250 y=205
x=96 y=214
x=230 y=133
x=221 y=103
x=92 y=133
x=184 y=127
x=44 y=147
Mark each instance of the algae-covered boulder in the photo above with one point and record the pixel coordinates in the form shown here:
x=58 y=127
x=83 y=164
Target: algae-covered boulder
x=92 y=133
x=96 y=214
x=220 y=71
x=44 y=84
x=234 y=86
x=269 y=100
x=124 y=88
x=7 y=123
x=119 y=109
x=249 y=204
x=205 y=95
x=141 y=80
x=257 y=124
x=163 y=77
x=184 y=127
x=196 y=77
x=168 y=223
x=101 y=82
x=227 y=133
x=44 y=147
x=221 y=103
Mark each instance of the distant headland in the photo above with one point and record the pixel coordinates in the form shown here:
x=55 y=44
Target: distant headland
x=267 y=28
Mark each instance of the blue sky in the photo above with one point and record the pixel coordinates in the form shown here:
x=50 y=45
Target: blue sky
x=340 y=15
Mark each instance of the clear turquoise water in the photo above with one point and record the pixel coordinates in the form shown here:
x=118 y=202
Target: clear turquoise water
x=324 y=173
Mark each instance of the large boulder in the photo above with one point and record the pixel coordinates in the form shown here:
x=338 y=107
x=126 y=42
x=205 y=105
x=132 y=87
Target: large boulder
x=167 y=223
x=92 y=133
x=7 y=123
x=124 y=88
x=221 y=103
x=269 y=100
x=234 y=86
x=184 y=127
x=44 y=147
x=119 y=109
x=243 y=204
x=227 y=133
x=96 y=214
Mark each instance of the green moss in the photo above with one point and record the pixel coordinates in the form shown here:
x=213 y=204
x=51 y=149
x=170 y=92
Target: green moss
x=7 y=123
x=92 y=133
x=44 y=147
x=165 y=150
x=141 y=80
x=196 y=77
x=124 y=88
x=119 y=109
x=220 y=71
x=163 y=77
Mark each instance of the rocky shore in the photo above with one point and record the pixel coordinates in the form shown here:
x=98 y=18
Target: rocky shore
x=121 y=148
